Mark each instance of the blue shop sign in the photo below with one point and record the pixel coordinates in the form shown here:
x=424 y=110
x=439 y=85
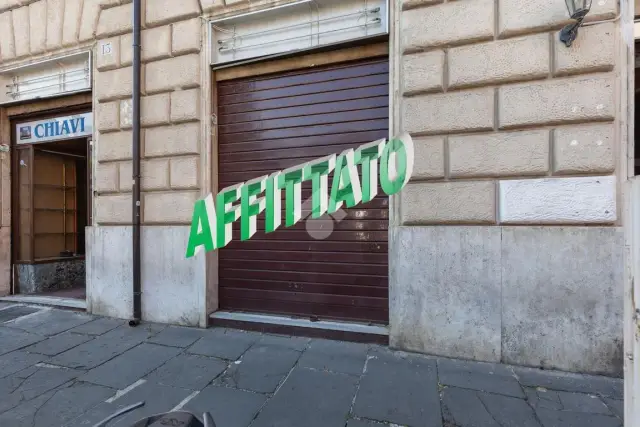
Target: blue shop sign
x=55 y=129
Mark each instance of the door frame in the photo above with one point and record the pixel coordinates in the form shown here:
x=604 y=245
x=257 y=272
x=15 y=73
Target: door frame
x=90 y=193
x=56 y=107
x=373 y=48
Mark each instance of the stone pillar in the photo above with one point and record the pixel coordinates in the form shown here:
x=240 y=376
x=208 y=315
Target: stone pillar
x=509 y=243
x=172 y=42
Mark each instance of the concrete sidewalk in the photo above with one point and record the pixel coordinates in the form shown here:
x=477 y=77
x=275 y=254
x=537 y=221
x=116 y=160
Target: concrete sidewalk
x=61 y=368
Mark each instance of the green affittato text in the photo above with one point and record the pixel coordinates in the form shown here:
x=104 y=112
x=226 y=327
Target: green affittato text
x=388 y=163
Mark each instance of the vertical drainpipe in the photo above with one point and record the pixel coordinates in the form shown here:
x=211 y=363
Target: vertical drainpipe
x=137 y=279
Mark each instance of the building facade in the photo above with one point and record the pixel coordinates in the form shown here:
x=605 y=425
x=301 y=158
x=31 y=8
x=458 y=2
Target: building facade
x=507 y=244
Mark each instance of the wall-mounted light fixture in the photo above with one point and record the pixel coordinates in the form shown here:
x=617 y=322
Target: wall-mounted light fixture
x=578 y=9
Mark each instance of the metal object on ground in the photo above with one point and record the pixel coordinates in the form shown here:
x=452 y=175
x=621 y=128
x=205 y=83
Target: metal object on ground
x=172 y=419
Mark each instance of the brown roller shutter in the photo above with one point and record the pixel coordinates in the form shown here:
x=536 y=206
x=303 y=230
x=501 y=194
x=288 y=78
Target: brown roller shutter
x=269 y=123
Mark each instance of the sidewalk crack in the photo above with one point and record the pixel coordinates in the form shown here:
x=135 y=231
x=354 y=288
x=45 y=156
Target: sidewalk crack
x=486 y=408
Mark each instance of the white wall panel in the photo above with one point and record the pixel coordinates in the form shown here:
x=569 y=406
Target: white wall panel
x=558 y=200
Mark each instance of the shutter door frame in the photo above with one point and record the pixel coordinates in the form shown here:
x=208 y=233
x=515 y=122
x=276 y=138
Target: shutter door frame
x=377 y=55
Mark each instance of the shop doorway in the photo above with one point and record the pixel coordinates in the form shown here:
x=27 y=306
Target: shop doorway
x=51 y=207
x=275 y=121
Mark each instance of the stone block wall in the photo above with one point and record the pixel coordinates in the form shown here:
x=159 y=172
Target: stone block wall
x=172 y=140
x=37 y=27
x=508 y=238
x=172 y=43
x=172 y=136
x=491 y=96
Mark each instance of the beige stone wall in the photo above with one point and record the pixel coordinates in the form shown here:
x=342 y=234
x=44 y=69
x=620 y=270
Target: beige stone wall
x=36 y=29
x=492 y=97
x=176 y=147
x=172 y=41
x=487 y=91
x=172 y=140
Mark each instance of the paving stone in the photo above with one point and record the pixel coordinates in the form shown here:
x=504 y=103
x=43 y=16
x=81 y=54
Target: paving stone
x=50 y=322
x=580 y=402
x=616 y=406
x=11 y=363
x=551 y=418
x=24 y=414
x=15 y=339
x=45 y=379
x=331 y=394
x=394 y=356
x=98 y=326
x=399 y=390
x=69 y=403
x=41 y=381
x=26 y=373
x=606 y=387
x=94 y=415
x=228 y=407
x=150 y=328
x=16 y=311
x=492 y=382
x=463 y=408
x=335 y=356
x=157 y=399
x=11 y=383
x=509 y=411
x=188 y=371
x=396 y=388
x=294 y=343
x=365 y=423
x=130 y=366
x=103 y=348
x=261 y=368
x=602 y=386
x=543 y=398
x=224 y=344
x=177 y=337
x=453 y=365
x=58 y=343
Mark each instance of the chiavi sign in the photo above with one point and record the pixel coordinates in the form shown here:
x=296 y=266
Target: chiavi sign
x=55 y=129
x=389 y=163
